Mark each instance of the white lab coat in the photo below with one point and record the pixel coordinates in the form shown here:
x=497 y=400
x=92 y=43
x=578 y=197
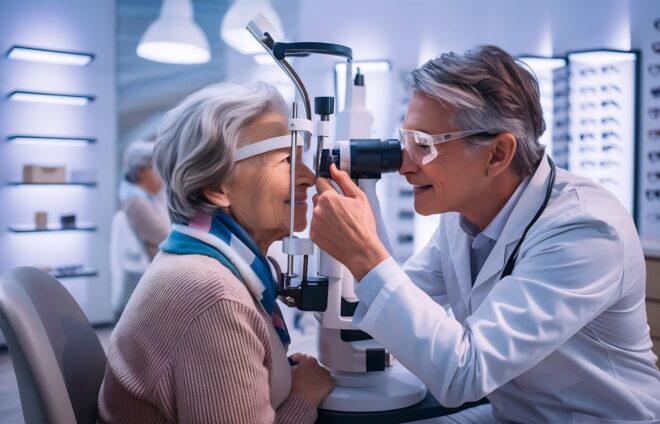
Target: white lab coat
x=563 y=339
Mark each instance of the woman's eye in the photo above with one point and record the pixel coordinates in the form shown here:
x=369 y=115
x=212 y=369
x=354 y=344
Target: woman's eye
x=423 y=147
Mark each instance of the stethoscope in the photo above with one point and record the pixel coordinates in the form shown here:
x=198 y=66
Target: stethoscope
x=508 y=268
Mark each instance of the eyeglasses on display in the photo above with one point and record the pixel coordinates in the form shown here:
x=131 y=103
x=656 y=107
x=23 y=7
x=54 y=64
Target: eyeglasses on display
x=406 y=215
x=608 y=181
x=587 y=136
x=603 y=164
x=654 y=69
x=604 y=104
x=655 y=91
x=610 y=134
x=653 y=194
x=588 y=90
x=653 y=216
x=605 y=148
x=656 y=46
x=656 y=24
x=588 y=149
x=653 y=176
x=654 y=134
x=654 y=156
x=607 y=69
x=608 y=103
x=654 y=112
x=609 y=88
x=588 y=71
x=609 y=120
x=611 y=147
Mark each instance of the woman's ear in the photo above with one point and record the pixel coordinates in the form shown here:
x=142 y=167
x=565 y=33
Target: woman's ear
x=218 y=197
x=502 y=151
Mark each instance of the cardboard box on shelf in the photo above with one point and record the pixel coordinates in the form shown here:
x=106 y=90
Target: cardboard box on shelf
x=44 y=174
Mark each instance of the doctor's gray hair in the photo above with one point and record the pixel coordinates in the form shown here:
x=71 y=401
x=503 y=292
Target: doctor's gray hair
x=488 y=89
x=197 y=141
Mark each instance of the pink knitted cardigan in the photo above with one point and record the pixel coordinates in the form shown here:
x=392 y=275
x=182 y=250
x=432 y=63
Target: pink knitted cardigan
x=193 y=346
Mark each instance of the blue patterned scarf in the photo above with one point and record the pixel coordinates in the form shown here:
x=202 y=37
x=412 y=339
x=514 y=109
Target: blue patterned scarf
x=220 y=237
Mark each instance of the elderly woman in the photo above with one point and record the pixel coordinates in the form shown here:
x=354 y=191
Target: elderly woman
x=202 y=339
x=141 y=196
x=144 y=212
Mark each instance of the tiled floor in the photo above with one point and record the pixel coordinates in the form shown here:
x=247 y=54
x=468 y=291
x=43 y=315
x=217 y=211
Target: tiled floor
x=10 y=404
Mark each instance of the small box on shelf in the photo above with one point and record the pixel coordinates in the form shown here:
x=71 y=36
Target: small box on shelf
x=39 y=174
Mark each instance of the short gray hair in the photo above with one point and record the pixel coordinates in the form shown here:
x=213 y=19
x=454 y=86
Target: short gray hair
x=196 y=143
x=137 y=156
x=488 y=89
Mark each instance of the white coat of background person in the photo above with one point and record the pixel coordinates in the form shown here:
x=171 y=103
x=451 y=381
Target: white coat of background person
x=563 y=335
x=140 y=225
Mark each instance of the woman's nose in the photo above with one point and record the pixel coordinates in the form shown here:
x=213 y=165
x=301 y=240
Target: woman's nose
x=407 y=164
x=304 y=175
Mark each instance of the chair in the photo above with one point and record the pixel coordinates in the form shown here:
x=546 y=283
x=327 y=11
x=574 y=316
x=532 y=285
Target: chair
x=58 y=359
x=128 y=261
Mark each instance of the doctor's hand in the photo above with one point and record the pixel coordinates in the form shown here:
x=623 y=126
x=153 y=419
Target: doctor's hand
x=344 y=226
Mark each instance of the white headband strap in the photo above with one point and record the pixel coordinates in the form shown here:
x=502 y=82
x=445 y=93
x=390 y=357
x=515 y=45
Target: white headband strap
x=264 y=146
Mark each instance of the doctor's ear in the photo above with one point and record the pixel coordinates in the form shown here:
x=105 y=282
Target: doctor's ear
x=500 y=153
x=218 y=197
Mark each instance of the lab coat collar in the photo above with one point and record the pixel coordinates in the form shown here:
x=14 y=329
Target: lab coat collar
x=527 y=206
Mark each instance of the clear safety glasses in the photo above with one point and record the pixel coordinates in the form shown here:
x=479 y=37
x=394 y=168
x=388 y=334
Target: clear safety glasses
x=421 y=146
x=263 y=146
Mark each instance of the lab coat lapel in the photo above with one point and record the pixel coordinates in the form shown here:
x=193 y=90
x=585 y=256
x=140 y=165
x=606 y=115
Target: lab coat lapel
x=521 y=215
x=459 y=252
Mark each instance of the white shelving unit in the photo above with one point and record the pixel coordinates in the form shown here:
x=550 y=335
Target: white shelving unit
x=603 y=104
x=78 y=133
x=551 y=74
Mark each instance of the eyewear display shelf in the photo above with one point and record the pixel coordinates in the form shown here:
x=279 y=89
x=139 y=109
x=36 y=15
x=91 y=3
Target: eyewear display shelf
x=551 y=74
x=603 y=98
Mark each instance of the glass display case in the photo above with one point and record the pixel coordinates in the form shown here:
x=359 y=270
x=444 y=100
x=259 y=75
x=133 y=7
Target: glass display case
x=551 y=75
x=602 y=129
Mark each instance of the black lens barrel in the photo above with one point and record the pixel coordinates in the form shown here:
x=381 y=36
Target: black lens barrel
x=372 y=157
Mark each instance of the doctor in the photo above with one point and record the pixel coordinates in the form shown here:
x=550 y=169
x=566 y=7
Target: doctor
x=531 y=290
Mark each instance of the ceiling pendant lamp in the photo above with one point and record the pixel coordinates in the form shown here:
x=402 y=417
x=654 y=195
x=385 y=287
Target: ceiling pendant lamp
x=175 y=37
x=232 y=29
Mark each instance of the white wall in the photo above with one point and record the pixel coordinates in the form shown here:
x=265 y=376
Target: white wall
x=74 y=25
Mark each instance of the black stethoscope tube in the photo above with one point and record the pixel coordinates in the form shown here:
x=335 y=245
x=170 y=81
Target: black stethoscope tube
x=508 y=268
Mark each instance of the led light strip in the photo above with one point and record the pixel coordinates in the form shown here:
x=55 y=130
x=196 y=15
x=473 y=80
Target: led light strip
x=66 y=99
x=49 y=56
x=48 y=140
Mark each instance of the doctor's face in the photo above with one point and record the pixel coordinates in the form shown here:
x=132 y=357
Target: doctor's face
x=450 y=182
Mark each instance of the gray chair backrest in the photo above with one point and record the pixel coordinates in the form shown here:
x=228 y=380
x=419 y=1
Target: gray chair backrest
x=58 y=359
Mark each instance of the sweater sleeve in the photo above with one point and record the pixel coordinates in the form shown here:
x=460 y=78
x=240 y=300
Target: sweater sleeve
x=220 y=371
x=151 y=227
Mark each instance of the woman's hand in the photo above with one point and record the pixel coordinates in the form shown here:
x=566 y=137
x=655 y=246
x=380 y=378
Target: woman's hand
x=309 y=379
x=344 y=226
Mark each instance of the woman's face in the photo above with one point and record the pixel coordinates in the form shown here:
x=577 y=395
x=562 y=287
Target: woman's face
x=258 y=193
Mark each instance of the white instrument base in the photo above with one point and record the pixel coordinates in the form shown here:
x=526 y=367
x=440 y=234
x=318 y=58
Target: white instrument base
x=401 y=389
